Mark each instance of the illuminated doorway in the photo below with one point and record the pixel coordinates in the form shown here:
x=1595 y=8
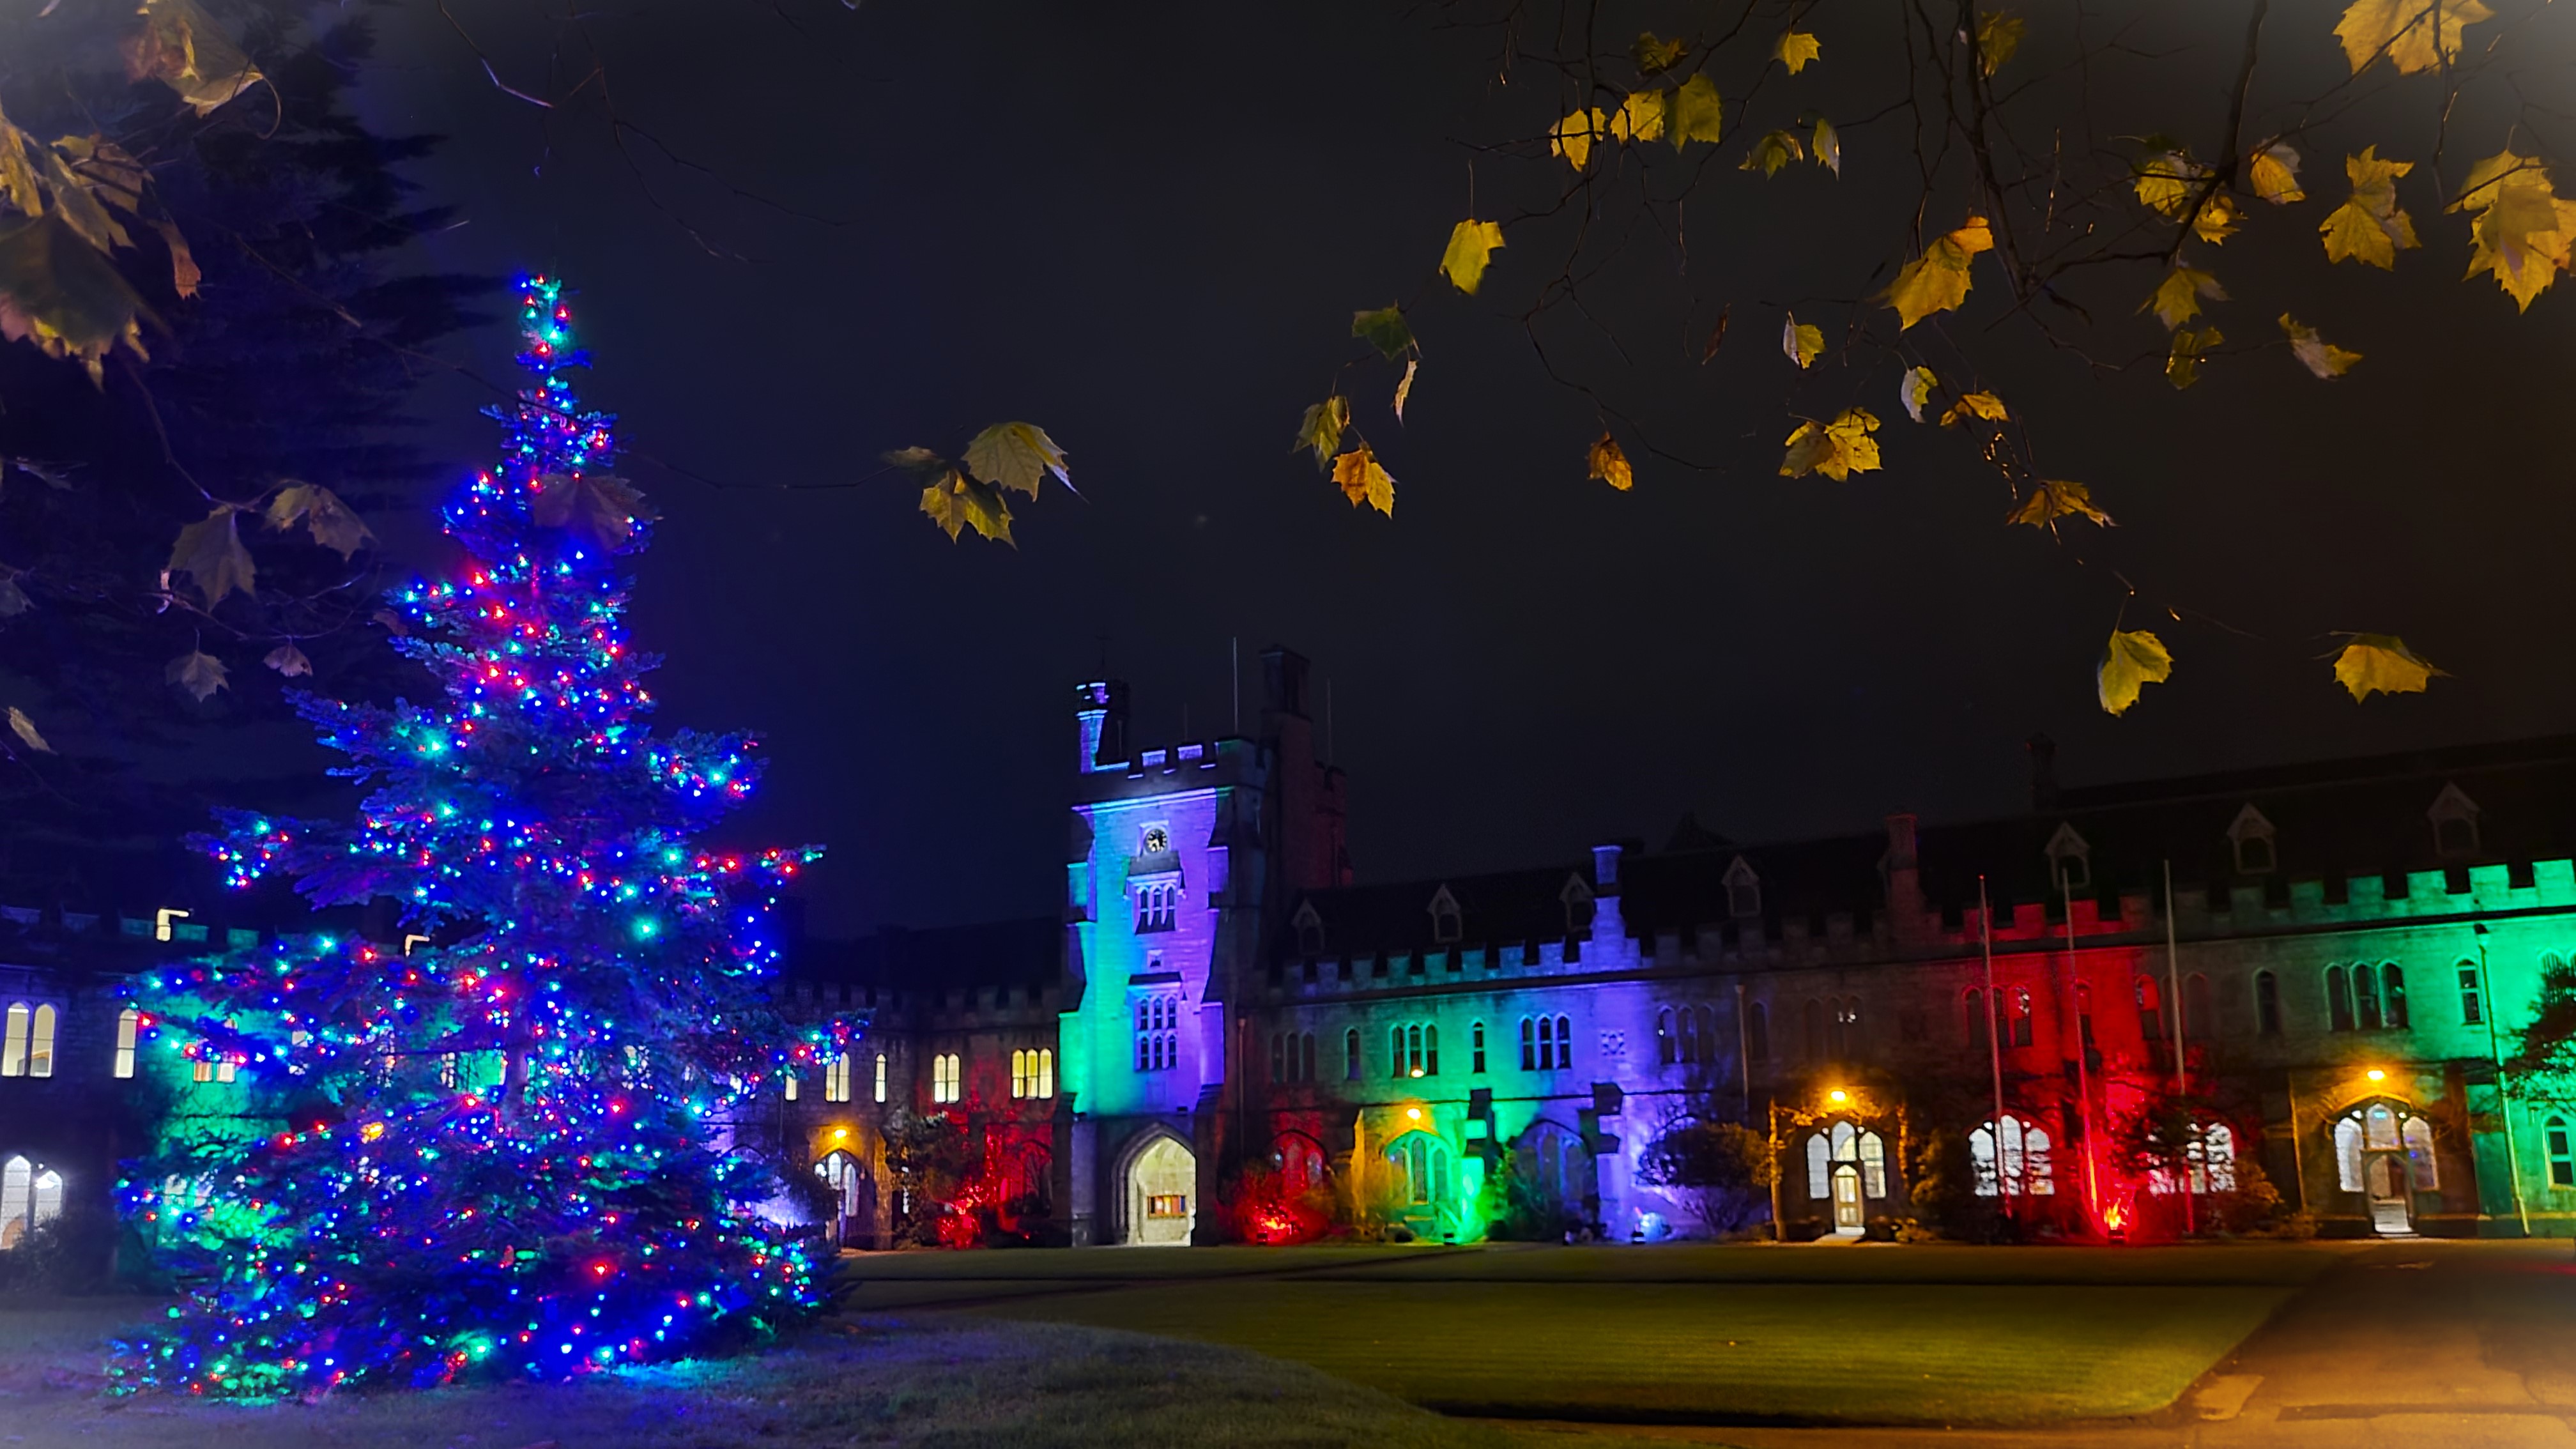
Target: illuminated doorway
x=1162 y=1189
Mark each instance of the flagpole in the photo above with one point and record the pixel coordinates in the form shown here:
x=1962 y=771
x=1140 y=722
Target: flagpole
x=2182 y=1079
x=1994 y=1044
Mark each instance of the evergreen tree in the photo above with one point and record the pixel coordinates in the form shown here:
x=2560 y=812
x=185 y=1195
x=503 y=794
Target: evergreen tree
x=503 y=1151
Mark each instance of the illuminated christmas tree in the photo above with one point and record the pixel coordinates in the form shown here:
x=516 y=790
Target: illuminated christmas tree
x=500 y=1149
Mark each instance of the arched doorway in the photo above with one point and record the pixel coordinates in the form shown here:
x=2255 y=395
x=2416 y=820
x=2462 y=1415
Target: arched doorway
x=1162 y=1193
x=855 y=1199
x=2384 y=1152
x=1847 y=1167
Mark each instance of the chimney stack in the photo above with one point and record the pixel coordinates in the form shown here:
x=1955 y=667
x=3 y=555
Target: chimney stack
x=1100 y=718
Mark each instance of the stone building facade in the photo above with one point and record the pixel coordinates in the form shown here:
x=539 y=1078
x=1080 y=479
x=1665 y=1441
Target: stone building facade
x=2332 y=982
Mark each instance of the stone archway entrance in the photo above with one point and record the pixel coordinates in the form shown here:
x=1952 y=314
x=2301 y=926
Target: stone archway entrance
x=2384 y=1153
x=1162 y=1193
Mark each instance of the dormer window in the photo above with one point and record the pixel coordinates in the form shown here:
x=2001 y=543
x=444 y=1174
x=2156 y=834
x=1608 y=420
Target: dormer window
x=2455 y=822
x=2251 y=834
x=1743 y=890
x=2070 y=860
x=1578 y=905
x=1310 y=930
x=1446 y=925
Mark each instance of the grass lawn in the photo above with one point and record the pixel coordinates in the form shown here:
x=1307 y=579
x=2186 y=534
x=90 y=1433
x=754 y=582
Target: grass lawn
x=944 y=1385
x=1699 y=1333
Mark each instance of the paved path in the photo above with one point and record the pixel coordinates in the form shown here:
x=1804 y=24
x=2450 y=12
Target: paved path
x=2416 y=1345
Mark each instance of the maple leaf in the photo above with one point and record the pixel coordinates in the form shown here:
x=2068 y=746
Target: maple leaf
x=2403 y=30
x=1640 y=117
x=2176 y=299
x=1696 y=113
x=1837 y=449
x=197 y=672
x=1998 y=36
x=1801 y=342
x=2523 y=229
x=2383 y=663
x=1404 y=386
x=25 y=729
x=1363 y=481
x=2166 y=180
x=2274 y=172
x=1471 y=245
x=331 y=523
x=1609 y=464
x=210 y=553
x=1384 y=329
x=288 y=660
x=2182 y=362
x=2216 y=220
x=600 y=507
x=1572 y=137
x=1937 y=281
x=1321 y=428
x=181 y=46
x=2134 y=660
x=1017 y=456
x=1914 y=389
x=1828 y=146
x=2370 y=227
x=2315 y=353
x=956 y=503
x=1974 y=405
x=1775 y=150
x=1654 y=56
x=62 y=294
x=2054 y=498
x=1796 y=49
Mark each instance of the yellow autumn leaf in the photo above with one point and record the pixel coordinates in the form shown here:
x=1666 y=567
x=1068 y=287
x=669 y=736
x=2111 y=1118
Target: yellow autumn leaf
x=1471 y=245
x=2381 y=663
x=1572 y=137
x=1998 y=36
x=1363 y=481
x=1696 y=112
x=2166 y=181
x=1796 y=49
x=957 y=502
x=2133 y=660
x=2315 y=353
x=1609 y=464
x=2403 y=30
x=1828 y=145
x=1937 y=281
x=1640 y=117
x=2182 y=361
x=1801 y=342
x=1654 y=54
x=2522 y=230
x=2274 y=172
x=1974 y=405
x=2216 y=220
x=1837 y=449
x=2370 y=227
x=1775 y=150
x=1404 y=386
x=2054 y=498
x=1914 y=389
x=2177 y=299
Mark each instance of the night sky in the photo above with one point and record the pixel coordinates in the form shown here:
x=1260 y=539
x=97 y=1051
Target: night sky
x=1145 y=226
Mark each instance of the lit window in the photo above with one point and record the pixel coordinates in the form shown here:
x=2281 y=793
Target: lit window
x=836 y=1079
x=30 y=1197
x=128 y=1023
x=13 y=1048
x=2024 y=1165
x=1019 y=1075
x=787 y=1084
x=40 y=1047
x=1167 y=1205
x=944 y=1078
x=878 y=1091
x=1046 y=1067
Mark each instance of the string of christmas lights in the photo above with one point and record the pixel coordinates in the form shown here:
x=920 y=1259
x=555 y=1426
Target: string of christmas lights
x=503 y=1150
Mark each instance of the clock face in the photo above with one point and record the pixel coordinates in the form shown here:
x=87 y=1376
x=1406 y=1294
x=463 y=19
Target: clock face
x=1157 y=839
